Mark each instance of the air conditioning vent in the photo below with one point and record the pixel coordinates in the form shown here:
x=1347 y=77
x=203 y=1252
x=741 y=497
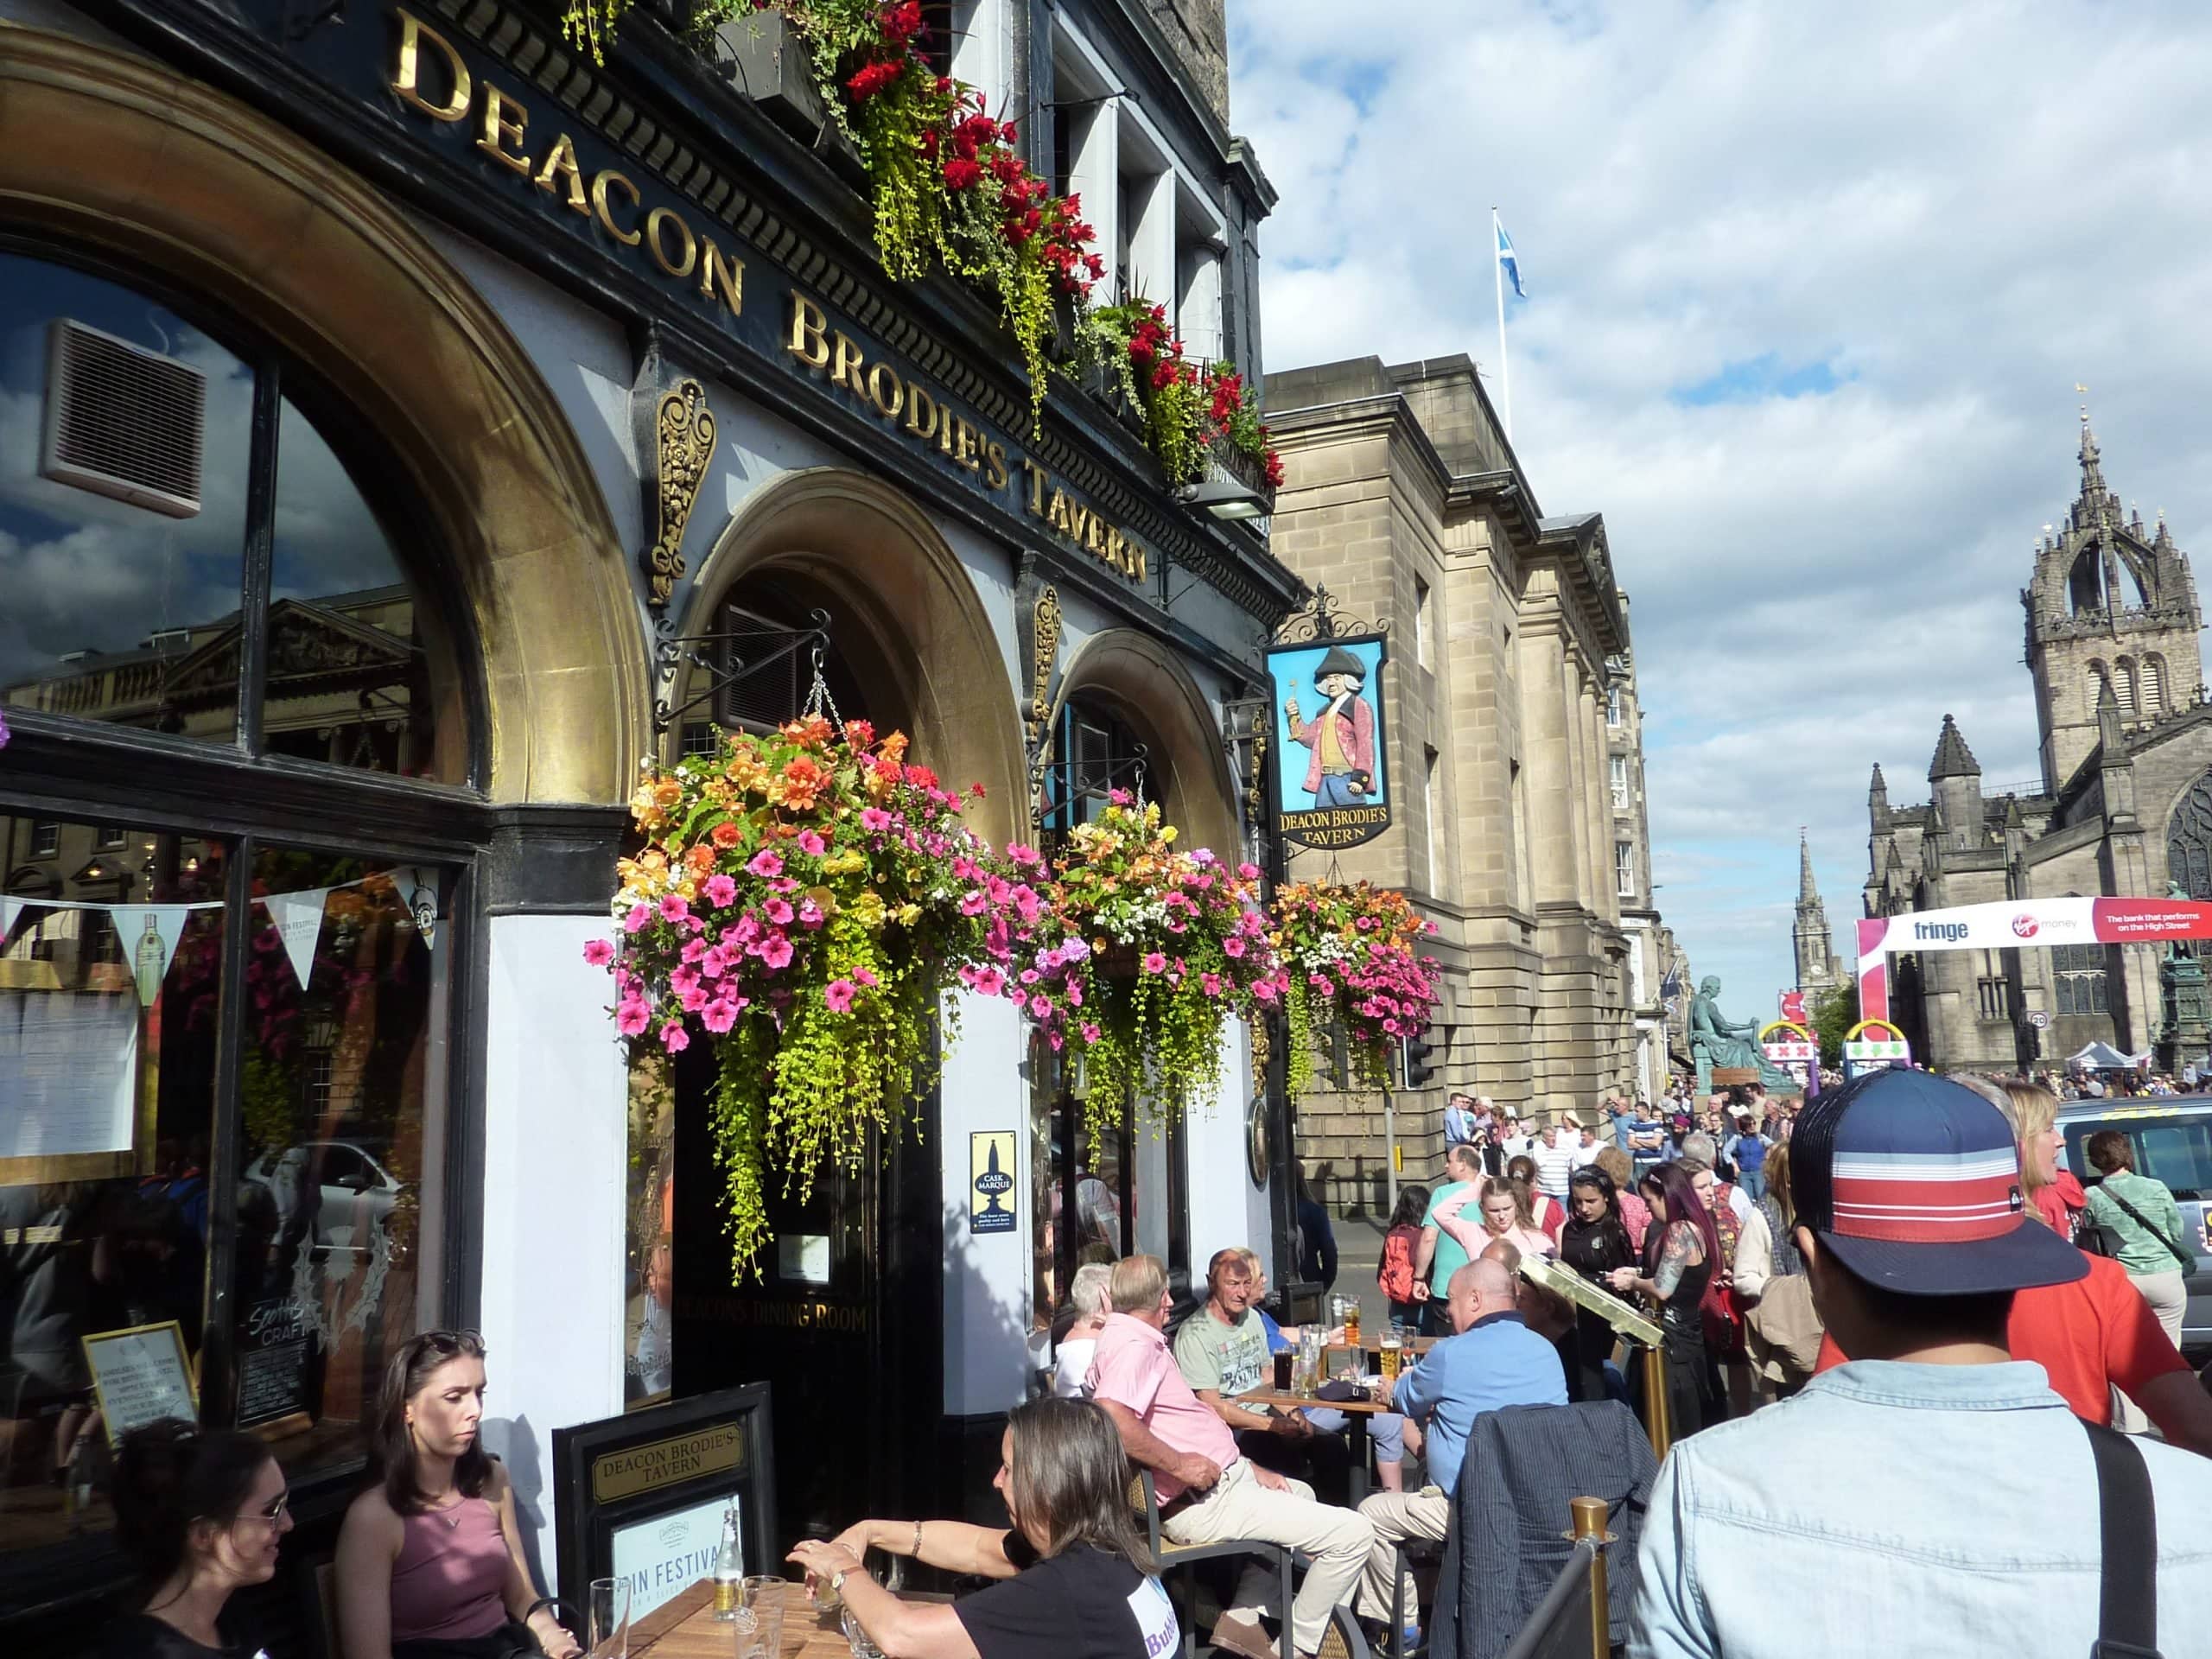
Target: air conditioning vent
x=121 y=421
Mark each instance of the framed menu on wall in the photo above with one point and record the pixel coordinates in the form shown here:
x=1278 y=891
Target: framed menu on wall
x=141 y=1374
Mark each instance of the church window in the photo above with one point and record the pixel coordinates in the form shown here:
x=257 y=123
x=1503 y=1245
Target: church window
x=2189 y=840
x=2079 y=970
x=2154 y=685
x=2123 y=685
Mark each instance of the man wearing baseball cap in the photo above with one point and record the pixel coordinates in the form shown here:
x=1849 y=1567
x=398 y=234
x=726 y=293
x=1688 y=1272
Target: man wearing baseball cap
x=1933 y=1496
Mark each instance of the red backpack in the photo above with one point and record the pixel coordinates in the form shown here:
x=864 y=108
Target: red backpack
x=1395 y=1275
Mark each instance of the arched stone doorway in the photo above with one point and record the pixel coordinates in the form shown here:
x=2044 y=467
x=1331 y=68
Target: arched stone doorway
x=1144 y=685
x=110 y=152
x=906 y=622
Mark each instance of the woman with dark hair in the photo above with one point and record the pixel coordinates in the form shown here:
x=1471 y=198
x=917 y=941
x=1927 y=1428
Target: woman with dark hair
x=1395 y=1273
x=1078 y=1582
x=201 y=1512
x=1679 y=1256
x=430 y=1558
x=1594 y=1242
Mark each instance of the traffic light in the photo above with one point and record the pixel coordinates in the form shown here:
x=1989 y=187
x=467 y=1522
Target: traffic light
x=1416 y=1063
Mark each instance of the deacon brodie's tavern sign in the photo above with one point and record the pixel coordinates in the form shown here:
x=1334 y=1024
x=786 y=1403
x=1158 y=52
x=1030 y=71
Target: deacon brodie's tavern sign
x=593 y=191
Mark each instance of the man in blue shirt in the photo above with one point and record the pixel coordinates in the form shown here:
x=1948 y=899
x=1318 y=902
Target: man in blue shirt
x=1459 y=1120
x=1492 y=1360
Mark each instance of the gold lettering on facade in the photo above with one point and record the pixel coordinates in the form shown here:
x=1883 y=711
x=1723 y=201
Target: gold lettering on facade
x=406 y=80
x=503 y=121
x=845 y=365
x=658 y=220
x=807 y=342
x=967 y=448
x=886 y=390
x=599 y=187
x=561 y=163
x=1038 y=479
x=995 y=474
x=728 y=275
x=921 y=413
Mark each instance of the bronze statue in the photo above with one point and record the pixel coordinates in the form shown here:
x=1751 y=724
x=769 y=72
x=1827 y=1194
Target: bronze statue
x=1718 y=1045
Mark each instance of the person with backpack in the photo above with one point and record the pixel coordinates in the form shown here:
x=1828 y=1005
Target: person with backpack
x=1400 y=1250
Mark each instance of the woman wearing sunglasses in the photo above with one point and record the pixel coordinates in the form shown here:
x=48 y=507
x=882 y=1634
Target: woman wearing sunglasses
x=429 y=1560
x=200 y=1513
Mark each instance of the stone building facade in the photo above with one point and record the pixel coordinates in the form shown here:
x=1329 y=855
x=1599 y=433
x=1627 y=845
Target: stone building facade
x=2123 y=808
x=1818 y=969
x=1510 y=644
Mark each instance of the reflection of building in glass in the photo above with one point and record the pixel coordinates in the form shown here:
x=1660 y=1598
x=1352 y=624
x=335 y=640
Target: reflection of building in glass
x=346 y=682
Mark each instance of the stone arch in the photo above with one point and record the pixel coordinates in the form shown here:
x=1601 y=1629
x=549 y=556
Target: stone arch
x=112 y=153
x=2188 y=839
x=1148 y=687
x=925 y=642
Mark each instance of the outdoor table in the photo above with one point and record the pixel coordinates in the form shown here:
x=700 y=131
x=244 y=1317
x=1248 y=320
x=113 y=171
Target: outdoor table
x=686 y=1628
x=1357 y=1412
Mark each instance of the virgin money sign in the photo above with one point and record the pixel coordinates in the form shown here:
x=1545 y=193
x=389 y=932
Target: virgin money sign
x=2034 y=922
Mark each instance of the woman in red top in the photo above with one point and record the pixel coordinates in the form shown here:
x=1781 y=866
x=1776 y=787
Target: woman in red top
x=2096 y=1334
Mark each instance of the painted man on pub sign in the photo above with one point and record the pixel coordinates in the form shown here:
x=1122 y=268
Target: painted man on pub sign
x=1340 y=740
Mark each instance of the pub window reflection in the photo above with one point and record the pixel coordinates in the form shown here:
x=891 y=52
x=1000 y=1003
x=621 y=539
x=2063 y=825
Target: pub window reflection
x=108 y=995
x=125 y=440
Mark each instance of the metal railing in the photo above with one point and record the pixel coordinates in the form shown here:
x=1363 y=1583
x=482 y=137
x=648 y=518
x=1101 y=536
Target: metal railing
x=1574 y=1619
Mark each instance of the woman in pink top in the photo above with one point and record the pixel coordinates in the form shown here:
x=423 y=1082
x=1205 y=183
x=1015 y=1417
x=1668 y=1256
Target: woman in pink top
x=429 y=1560
x=1504 y=1215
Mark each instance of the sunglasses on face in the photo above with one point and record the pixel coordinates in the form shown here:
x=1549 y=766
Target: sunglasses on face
x=272 y=1512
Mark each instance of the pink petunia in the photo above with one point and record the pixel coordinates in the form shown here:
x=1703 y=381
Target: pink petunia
x=1074 y=993
x=838 y=993
x=775 y=952
x=632 y=1016
x=766 y=863
x=812 y=844
x=990 y=981
x=1212 y=983
x=1089 y=1031
x=973 y=902
x=720 y=891
x=1154 y=962
x=598 y=952
x=674 y=1038
x=779 y=911
x=633 y=922
x=672 y=908
x=718 y=1017
x=874 y=820
x=1233 y=946
x=1265 y=990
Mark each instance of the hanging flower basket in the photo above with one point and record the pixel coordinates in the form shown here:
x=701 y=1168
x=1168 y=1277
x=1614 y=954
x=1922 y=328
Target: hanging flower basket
x=1142 y=954
x=1349 y=954
x=803 y=901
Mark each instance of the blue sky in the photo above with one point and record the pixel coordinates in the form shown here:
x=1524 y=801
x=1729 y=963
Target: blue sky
x=1810 y=289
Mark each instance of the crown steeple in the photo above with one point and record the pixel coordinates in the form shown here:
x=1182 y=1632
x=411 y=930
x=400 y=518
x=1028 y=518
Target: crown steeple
x=1952 y=758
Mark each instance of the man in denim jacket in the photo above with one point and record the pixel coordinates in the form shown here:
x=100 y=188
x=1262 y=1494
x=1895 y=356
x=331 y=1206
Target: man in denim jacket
x=1935 y=1497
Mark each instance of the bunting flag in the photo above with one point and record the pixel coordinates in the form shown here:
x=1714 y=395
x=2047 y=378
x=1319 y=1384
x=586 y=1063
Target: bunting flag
x=298 y=920
x=149 y=934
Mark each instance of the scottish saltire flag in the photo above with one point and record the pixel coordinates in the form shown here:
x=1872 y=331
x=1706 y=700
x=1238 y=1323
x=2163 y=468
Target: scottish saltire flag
x=1505 y=258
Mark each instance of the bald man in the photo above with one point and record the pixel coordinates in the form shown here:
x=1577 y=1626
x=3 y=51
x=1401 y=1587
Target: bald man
x=1492 y=1359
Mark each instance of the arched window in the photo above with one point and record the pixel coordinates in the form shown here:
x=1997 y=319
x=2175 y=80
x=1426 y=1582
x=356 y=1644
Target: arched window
x=2189 y=840
x=2123 y=684
x=2154 y=685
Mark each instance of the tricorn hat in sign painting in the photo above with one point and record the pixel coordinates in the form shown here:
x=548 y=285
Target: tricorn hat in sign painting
x=1341 y=661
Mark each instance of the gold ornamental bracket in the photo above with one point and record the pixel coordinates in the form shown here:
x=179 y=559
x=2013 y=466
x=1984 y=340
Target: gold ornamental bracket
x=1038 y=627
x=683 y=434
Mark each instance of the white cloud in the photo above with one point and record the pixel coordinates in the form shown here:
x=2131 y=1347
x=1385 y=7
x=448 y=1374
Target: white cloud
x=1929 y=203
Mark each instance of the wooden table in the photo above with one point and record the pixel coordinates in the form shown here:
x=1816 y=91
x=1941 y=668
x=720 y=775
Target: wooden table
x=686 y=1628
x=1357 y=1412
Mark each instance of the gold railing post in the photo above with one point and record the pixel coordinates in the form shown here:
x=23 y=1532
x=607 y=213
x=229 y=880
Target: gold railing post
x=1654 y=1402
x=1590 y=1524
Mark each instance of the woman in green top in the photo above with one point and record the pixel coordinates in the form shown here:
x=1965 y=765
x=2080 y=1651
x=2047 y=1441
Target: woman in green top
x=2142 y=1214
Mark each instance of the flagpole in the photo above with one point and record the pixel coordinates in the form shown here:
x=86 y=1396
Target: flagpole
x=1504 y=362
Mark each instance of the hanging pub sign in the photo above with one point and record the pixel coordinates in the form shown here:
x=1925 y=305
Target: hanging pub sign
x=1331 y=787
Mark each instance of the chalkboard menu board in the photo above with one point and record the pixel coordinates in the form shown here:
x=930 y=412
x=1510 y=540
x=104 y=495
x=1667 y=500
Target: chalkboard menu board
x=642 y=1493
x=276 y=1377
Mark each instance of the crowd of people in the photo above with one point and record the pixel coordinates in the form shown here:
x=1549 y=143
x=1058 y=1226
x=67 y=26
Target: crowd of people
x=1886 y=1281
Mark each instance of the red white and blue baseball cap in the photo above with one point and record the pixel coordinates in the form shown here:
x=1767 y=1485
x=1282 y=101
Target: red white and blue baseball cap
x=1913 y=1182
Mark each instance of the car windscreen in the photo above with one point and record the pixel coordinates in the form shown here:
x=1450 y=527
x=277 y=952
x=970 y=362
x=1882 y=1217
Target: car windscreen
x=2175 y=1150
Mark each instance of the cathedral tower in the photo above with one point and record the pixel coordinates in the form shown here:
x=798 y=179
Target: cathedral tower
x=2111 y=604
x=1817 y=969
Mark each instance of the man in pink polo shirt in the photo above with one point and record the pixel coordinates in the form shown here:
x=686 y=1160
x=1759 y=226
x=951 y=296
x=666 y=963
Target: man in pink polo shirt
x=1207 y=1489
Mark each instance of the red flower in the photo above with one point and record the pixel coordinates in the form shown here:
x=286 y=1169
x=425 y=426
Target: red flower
x=900 y=23
x=961 y=174
x=866 y=82
x=1274 y=470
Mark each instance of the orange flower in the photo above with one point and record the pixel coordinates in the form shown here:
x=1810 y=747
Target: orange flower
x=727 y=833
x=700 y=859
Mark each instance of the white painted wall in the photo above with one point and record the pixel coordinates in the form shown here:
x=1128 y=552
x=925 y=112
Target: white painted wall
x=1226 y=1209
x=986 y=1276
x=556 y=1152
